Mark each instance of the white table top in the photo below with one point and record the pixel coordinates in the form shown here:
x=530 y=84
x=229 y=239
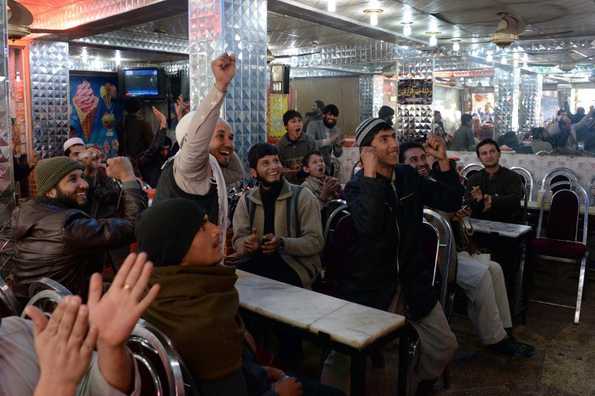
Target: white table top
x=348 y=323
x=496 y=227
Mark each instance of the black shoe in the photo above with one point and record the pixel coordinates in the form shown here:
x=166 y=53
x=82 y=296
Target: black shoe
x=511 y=347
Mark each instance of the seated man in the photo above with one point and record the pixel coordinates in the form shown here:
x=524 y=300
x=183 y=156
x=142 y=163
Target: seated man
x=481 y=278
x=52 y=357
x=325 y=188
x=55 y=238
x=386 y=203
x=222 y=148
x=496 y=192
x=294 y=145
x=277 y=231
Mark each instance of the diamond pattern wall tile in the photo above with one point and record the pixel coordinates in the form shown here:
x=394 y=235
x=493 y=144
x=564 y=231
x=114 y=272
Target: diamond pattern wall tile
x=414 y=122
x=366 y=97
x=239 y=27
x=7 y=190
x=504 y=88
x=49 y=93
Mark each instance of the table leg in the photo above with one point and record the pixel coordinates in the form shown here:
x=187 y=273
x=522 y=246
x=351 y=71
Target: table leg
x=403 y=363
x=358 y=374
x=520 y=283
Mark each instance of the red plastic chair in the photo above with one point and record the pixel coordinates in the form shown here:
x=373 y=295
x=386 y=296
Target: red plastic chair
x=561 y=240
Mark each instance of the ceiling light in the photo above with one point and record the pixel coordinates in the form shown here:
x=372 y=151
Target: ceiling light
x=118 y=58
x=456 y=45
x=84 y=55
x=503 y=60
x=373 y=12
x=433 y=40
x=489 y=57
x=331 y=5
x=406 y=28
x=407 y=14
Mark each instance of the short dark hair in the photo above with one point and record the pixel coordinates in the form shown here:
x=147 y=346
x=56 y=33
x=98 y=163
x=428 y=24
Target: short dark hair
x=258 y=151
x=133 y=105
x=289 y=114
x=408 y=146
x=486 y=142
x=466 y=118
x=306 y=158
x=331 y=109
x=537 y=132
x=319 y=104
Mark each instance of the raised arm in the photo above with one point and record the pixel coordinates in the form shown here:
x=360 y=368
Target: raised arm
x=191 y=165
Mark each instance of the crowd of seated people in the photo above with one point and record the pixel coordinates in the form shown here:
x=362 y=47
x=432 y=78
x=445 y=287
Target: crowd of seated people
x=84 y=210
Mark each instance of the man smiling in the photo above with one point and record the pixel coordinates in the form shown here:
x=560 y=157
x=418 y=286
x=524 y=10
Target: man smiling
x=222 y=148
x=55 y=238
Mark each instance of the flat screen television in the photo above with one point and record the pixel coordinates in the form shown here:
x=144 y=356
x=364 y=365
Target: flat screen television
x=148 y=82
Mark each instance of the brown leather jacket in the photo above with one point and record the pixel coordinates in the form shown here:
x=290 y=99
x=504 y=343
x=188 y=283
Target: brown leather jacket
x=62 y=243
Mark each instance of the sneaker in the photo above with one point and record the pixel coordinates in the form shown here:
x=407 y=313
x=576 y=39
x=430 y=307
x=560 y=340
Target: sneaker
x=511 y=347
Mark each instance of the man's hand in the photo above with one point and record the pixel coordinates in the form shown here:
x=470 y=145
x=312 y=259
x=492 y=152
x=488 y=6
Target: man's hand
x=252 y=244
x=274 y=374
x=224 y=69
x=116 y=313
x=271 y=245
x=462 y=213
x=436 y=147
x=476 y=194
x=159 y=116
x=487 y=202
x=369 y=161
x=288 y=387
x=330 y=188
x=181 y=107
x=120 y=168
x=64 y=346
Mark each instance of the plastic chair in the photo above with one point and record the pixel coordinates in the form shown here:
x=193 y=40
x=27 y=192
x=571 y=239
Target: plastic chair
x=161 y=368
x=470 y=169
x=9 y=304
x=561 y=240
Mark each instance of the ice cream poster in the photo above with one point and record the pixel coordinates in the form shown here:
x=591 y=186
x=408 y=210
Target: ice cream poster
x=95 y=110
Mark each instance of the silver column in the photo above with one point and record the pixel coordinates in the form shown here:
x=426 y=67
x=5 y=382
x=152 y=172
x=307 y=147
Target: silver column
x=237 y=26
x=49 y=96
x=7 y=197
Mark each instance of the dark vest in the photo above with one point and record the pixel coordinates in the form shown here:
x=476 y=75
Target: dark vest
x=168 y=189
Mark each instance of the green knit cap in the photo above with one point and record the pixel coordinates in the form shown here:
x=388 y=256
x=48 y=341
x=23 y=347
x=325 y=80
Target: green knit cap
x=49 y=172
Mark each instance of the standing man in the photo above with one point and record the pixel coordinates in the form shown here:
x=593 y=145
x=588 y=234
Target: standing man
x=496 y=191
x=192 y=173
x=294 y=145
x=386 y=203
x=328 y=138
x=463 y=139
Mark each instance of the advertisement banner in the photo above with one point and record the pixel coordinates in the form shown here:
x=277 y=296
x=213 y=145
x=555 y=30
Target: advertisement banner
x=95 y=111
x=415 y=92
x=278 y=104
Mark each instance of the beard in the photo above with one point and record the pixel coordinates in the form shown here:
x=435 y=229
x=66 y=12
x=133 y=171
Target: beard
x=68 y=200
x=329 y=124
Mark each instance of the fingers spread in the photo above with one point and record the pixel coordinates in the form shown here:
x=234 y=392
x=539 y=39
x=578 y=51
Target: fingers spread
x=136 y=270
x=39 y=319
x=123 y=272
x=143 y=280
x=95 y=290
x=54 y=323
x=148 y=300
x=80 y=328
x=70 y=313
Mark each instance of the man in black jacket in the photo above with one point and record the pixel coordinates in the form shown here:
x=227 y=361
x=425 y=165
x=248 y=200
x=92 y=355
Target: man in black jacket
x=386 y=203
x=55 y=238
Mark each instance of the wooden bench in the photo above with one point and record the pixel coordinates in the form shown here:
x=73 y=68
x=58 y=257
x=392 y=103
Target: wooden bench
x=331 y=322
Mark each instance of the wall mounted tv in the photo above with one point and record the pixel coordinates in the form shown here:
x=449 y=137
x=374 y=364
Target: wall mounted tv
x=146 y=83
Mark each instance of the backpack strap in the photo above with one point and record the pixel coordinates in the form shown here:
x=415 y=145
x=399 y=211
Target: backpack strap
x=250 y=208
x=293 y=218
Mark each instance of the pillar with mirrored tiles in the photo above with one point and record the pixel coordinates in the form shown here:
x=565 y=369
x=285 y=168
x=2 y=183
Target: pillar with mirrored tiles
x=237 y=26
x=7 y=198
x=414 y=121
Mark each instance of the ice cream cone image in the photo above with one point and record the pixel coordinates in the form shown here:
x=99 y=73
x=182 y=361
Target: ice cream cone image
x=85 y=102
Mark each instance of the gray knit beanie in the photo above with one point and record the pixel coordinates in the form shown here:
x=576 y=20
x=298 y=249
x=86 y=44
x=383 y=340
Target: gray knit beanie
x=367 y=129
x=49 y=172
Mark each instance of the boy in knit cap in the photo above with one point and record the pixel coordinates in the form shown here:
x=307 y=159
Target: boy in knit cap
x=386 y=202
x=55 y=238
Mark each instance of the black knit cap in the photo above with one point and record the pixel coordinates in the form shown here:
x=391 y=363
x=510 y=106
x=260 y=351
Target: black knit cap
x=166 y=230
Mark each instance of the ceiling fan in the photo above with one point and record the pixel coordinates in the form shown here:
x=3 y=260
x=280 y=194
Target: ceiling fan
x=20 y=20
x=510 y=28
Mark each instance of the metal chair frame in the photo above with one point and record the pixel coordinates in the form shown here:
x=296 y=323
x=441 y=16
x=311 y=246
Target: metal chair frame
x=474 y=166
x=341 y=208
x=529 y=182
x=580 y=193
x=8 y=297
x=148 y=336
x=566 y=172
x=48 y=284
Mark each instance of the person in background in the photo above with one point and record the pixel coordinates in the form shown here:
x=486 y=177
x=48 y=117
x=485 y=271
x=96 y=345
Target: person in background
x=277 y=232
x=49 y=357
x=294 y=145
x=325 y=188
x=439 y=129
x=328 y=137
x=192 y=173
x=481 y=278
x=22 y=170
x=496 y=191
x=539 y=141
x=136 y=134
x=222 y=148
x=578 y=116
x=73 y=147
x=315 y=114
x=151 y=160
x=55 y=238
x=463 y=138
x=387 y=114
x=509 y=141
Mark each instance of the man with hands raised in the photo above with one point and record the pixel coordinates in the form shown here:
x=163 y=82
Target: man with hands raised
x=52 y=357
